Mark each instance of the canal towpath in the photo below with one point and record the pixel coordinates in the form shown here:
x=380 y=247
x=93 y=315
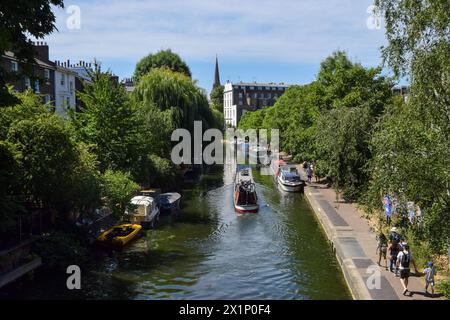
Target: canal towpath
x=355 y=245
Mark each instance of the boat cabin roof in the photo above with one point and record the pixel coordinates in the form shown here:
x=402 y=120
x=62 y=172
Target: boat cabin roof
x=245 y=175
x=142 y=201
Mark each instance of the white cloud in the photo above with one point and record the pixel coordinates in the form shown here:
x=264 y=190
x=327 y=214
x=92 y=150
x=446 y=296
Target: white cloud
x=291 y=31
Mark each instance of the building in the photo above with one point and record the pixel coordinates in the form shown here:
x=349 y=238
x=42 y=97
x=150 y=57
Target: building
x=65 y=98
x=239 y=98
x=402 y=92
x=129 y=85
x=38 y=76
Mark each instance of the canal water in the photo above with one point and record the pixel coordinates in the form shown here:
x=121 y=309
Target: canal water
x=209 y=252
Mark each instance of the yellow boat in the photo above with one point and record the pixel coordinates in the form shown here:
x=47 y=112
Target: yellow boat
x=120 y=235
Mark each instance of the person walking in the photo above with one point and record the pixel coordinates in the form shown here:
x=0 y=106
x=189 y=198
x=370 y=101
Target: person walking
x=393 y=249
x=394 y=236
x=382 y=247
x=404 y=260
x=309 y=173
x=429 y=272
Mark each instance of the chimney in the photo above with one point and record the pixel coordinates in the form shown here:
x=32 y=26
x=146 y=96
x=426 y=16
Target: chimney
x=41 y=51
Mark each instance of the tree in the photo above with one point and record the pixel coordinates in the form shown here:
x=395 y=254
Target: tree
x=9 y=184
x=108 y=123
x=18 y=22
x=161 y=59
x=174 y=91
x=343 y=137
x=216 y=97
x=43 y=161
x=47 y=157
x=411 y=143
x=119 y=188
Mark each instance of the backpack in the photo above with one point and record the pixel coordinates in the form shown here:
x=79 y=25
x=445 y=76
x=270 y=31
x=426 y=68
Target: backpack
x=406 y=259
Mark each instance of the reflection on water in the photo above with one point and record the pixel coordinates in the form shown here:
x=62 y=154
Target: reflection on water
x=209 y=252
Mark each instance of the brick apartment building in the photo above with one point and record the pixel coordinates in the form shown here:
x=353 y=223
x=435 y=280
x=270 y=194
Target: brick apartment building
x=239 y=98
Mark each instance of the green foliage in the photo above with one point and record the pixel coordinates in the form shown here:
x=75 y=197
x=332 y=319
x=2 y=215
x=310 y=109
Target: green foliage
x=410 y=146
x=119 y=188
x=343 y=147
x=86 y=180
x=163 y=173
x=162 y=59
x=253 y=120
x=47 y=157
x=217 y=98
x=59 y=250
x=29 y=106
x=174 y=91
x=9 y=178
x=444 y=288
x=108 y=123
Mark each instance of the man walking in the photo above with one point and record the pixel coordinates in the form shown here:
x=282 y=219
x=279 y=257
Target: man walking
x=309 y=173
x=404 y=260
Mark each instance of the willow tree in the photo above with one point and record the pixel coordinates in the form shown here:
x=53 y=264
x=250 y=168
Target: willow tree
x=161 y=59
x=174 y=91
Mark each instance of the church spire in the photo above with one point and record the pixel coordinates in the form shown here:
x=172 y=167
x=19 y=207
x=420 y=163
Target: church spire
x=216 y=75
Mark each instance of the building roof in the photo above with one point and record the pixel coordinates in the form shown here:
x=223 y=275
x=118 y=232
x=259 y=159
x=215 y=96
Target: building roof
x=256 y=84
x=10 y=55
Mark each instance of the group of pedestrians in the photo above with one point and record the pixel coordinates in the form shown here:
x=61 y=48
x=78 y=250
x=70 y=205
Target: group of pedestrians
x=401 y=259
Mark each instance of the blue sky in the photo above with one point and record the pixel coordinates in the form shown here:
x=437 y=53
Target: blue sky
x=256 y=40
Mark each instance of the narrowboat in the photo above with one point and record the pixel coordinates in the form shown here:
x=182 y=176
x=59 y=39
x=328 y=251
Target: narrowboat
x=245 y=197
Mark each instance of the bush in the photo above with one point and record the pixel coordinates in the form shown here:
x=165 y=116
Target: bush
x=119 y=188
x=444 y=288
x=59 y=250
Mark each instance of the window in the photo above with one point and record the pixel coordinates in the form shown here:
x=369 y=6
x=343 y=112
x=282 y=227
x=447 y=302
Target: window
x=68 y=102
x=71 y=87
x=280 y=88
x=37 y=88
x=47 y=75
x=255 y=95
x=267 y=88
x=47 y=98
x=259 y=88
x=240 y=95
x=14 y=66
x=27 y=82
x=269 y=96
x=252 y=88
x=63 y=79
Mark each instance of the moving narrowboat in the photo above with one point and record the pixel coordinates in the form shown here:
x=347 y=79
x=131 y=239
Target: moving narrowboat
x=245 y=197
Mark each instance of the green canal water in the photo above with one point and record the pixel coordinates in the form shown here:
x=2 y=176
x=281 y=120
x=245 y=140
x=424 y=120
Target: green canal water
x=209 y=252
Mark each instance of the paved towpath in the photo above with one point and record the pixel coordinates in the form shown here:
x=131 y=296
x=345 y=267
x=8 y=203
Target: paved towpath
x=355 y=246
